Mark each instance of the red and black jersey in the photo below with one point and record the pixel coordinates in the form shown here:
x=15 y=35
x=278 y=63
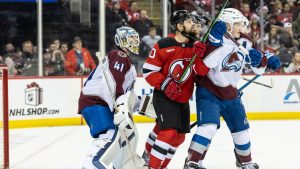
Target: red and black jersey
x=169 y=58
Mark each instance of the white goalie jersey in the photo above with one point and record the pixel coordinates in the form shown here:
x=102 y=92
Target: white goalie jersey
x=120 y=77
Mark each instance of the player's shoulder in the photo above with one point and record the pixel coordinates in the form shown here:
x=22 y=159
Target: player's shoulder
x=117 y=53
x=167 y=42
x=118 y=56
x=245 y=36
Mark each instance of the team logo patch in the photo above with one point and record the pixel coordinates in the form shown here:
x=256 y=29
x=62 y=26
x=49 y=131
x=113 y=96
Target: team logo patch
x=233 y=61
x=177 y=68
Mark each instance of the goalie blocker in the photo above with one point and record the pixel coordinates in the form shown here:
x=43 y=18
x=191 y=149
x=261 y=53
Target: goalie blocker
x=146 y=106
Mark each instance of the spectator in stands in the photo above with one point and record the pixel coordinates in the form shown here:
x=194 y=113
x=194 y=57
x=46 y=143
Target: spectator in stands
x=64 y=48
x=8 y=50
x=124 y=5
x=184 y=5
x=54 y=61
x=255 y=28
x=246 y=10
x=78 y=60
x=132 y=12
x=148 y=42
x=8 y=55
x=28 y=65
x=277 y=8
x=286 y=15
x=293 y=6
x=272 y=39
x=143 y=24
x=272 y=22
x=115 y=18
x=287 y=39
x=56 y=41
x=296 y=27
x=295 y=65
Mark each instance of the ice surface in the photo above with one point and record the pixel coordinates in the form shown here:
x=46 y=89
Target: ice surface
x=275 y=145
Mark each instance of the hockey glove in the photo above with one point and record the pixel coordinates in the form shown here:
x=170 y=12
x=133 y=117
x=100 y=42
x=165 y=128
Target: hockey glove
x=254 y=57
x=199 y=49
x=216 y=34
x=170 y=88
x=273 y=61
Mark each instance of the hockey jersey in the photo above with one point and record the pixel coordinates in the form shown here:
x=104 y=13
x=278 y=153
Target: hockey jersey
x=169 y=58
x=226 y=63
x=104 y=89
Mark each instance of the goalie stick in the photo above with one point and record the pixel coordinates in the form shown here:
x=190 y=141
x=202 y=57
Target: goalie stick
x=242 y=88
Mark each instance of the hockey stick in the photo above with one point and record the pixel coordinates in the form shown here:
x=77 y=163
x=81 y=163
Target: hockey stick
x=204 y=13
x=262 y=84
x=240 y=90
x=203 y=39
x=101 y=60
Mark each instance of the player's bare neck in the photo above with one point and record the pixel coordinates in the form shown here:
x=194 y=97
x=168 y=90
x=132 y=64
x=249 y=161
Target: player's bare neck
x=180 y=38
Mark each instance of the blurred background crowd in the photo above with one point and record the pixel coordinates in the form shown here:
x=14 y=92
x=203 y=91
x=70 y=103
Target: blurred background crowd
x=71 y=28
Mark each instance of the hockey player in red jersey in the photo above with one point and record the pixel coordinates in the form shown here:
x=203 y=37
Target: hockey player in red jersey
x=106 y=103
x=163 y=70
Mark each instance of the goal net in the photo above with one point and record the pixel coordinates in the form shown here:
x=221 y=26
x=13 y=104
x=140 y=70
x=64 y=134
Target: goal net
x=4 y=150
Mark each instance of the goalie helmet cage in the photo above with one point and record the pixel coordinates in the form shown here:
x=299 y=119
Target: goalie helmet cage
x=4 y=150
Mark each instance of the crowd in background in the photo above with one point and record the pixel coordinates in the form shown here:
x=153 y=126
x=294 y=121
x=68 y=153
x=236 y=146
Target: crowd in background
x=281 y=36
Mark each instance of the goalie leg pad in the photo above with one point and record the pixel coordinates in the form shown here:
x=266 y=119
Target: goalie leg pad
x=103 y=151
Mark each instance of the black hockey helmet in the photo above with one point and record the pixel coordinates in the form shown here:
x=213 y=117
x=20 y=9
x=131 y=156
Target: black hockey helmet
x=179 y=16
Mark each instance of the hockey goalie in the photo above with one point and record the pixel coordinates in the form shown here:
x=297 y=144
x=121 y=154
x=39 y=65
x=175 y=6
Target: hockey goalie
x=107 y=102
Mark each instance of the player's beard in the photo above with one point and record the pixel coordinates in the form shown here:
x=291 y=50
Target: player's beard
x=191 y=35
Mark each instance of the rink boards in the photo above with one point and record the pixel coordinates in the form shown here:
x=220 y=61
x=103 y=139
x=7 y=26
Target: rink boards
x=54 y=101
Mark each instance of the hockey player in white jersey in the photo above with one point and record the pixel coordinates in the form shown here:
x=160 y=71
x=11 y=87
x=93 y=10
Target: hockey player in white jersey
x=217 y=94
x=107 y=101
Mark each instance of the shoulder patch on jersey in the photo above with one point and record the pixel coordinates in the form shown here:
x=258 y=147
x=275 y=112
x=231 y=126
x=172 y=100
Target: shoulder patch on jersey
x=115 y=53
x=167 y=42
x=122 y=54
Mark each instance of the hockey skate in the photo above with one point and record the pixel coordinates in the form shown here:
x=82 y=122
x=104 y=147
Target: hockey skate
x=146 y=157
x=249 y=165
x=193 y=165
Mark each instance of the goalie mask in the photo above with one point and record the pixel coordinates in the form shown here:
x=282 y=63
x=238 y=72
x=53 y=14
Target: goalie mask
x=128 y=38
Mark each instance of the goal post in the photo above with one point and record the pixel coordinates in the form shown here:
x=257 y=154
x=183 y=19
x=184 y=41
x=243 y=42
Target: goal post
x=4 y=113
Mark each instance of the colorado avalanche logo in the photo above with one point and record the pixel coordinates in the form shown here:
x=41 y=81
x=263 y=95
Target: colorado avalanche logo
x=232 y=62
x=176 y=70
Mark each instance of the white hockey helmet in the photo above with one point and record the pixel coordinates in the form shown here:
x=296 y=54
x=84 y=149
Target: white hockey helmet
x=246 y=25
x=231 y=16
x=127 y=37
